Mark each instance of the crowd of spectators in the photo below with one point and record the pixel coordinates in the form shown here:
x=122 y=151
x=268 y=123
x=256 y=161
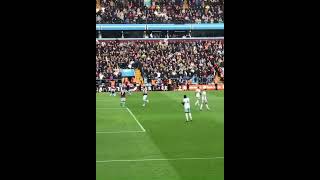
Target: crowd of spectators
x=182 y=60
x=160 y=11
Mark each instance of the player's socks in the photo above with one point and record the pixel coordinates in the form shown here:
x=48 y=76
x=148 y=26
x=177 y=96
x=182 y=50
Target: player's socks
x=190 y=116
x=200 y=107
x=207 y=107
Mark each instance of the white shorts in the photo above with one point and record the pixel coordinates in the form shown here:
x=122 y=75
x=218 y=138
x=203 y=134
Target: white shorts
x=204 y=101
x=123 y=99
x=187 y=110
x=145 y=97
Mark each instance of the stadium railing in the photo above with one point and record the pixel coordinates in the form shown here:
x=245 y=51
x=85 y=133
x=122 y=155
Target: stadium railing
x=147 y=27
x=158 y=39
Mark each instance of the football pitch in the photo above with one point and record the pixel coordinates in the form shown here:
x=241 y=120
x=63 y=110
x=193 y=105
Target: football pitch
x=154 y=142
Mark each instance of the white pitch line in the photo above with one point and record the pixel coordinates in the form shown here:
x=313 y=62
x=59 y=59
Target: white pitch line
x=134 y=117
x=112 y=132
x=173 y=159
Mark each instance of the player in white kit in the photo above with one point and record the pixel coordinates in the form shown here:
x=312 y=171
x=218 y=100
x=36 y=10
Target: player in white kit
x=145 y=96
x=123 y=98
x=198 y=95
x=204 y=100
x=187 y=110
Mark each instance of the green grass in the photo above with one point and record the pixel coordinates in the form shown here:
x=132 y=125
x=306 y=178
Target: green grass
x=167 y=136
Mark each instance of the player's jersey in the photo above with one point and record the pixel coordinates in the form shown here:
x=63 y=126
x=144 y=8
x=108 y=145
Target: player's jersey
x=186 y=103
x=145 y=92
x=198 y=91
x=123 y=94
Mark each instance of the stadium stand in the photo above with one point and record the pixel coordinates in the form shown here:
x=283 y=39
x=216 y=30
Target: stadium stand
x=160 y=11
x=178 y=61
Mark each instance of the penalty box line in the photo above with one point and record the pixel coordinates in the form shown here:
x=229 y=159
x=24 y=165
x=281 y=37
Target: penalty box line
x=170 y=159
x=134 y=117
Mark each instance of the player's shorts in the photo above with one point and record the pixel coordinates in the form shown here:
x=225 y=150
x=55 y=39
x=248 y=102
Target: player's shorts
x=198 y=96
x=204 y=101
x=145 y=97
x=187 y=110
x=123 y=99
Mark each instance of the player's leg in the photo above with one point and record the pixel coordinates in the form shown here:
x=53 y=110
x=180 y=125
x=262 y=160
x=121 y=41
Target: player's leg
x=187 y=111
x=190 y=116
x=144 y=101
x=201 y=106
x=187 y=118
x=197 y=102
x=207 y=105
x=124 y=102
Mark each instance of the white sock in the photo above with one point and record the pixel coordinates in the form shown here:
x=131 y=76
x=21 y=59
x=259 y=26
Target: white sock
x=207 y=106
x=187 y=117
x=190 y=116
x=201 y=107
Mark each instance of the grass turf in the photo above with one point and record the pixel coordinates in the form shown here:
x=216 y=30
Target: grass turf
x=167 y=136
